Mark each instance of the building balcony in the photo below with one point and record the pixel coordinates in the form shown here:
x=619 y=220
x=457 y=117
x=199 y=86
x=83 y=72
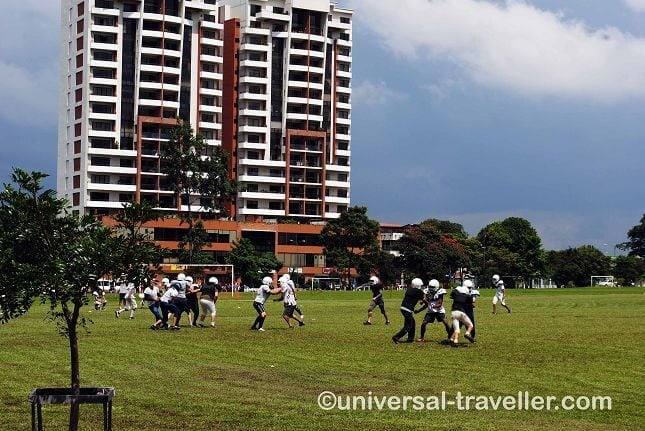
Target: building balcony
x=105 y=64
x=262 y=163
x=332 y=215
x=343 y=137
x=344 y=153
x=304 y=101
x=253 y=113
x=104 y=46
x=252 y=146
x=337 y=184
x=101 y=116
x=344 y=121
x=210 y=108
x=104 y=99
x=347 y=106
x=104 y=204
x=338 y=168
x=305 y=84
x=111 y=170
x=112 y=187
x=211 y=75
x=261 y=212
x=344 y=58
x=270 y=15
x=104 y=28
x=111 y=152
x=254 y=80
x=343 y=74
x=261 y=179
x=253 y=129
x=211 y=58
x=210 y=92
x=258 y=31
x=342 y=42
x=209 y=125
x=253 y=96
x=262 y=196
x=211 y=25
x=212 y=42
x=254 y=63
x=306 y=53
x=102 y=133
x=340 y=25
x=336 y=200
x=254 y=47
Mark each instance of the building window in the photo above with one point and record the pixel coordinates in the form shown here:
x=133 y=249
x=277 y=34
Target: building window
x=100 y=196
x=76 y=199
x=252 y=205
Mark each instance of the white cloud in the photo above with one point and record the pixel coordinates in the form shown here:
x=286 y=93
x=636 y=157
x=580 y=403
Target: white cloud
x=374 y=94
x=636 y=5
x=513 y=45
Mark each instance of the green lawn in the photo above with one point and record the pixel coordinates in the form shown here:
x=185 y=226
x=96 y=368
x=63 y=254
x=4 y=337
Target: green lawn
x=556 y=342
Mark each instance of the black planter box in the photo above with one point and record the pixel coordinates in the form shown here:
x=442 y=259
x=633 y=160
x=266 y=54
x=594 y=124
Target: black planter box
x=43 y=396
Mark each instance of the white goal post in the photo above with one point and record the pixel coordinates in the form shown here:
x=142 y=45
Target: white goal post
x=180 y=267
x=603 y=280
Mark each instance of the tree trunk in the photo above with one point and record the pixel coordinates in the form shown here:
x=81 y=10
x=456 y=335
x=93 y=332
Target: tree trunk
x=75 y=380
x=190 y=230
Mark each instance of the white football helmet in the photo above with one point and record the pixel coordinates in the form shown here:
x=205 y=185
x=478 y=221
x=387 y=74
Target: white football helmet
x=374 y=279
x=417 y=282
x=267 y=281
x=434 y=284
x=468 y=284
x=287 y=277
x=165 y=281
x=495 y=278
x=189 y=279
x=181 y=276
x=213 y=280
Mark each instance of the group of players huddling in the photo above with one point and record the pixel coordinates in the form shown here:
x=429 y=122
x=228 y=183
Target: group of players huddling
x=174 y=298
x=431 y=298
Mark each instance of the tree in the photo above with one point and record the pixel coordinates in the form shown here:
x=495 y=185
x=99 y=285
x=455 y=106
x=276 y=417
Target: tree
x=351 y=241
x=511 y=247
x=50 y=254
x=250 y=265
x=194 y=168
x=46 y=252
x=138 y=257
x=433 y=248
x=636 y=243
x=629 y=269
x=575 y=266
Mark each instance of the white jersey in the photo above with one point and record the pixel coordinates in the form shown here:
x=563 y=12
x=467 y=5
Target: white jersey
x=152 y=292
x=169 y=294
x=435 y=303
x=289 y=294
x=123 y=288
x=180 y=287
x=263 y=294
x=130 y=291
x=500 y=288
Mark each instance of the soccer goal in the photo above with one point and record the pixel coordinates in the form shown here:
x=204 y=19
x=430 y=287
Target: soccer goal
x=603 y=280
x=221 y=271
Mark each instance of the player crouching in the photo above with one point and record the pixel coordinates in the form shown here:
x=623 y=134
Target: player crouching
x=434 y=303
x=461 y=300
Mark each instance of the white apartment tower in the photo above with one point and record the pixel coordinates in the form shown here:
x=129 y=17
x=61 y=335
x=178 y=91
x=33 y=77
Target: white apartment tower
x=269 y=80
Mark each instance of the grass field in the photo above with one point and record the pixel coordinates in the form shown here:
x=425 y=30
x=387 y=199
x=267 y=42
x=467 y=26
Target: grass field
x=556 y=342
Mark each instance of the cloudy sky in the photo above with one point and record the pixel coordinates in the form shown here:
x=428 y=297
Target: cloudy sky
x=463 y=109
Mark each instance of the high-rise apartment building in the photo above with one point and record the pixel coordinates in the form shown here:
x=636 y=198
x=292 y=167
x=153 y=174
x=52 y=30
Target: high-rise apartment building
x=269 y=80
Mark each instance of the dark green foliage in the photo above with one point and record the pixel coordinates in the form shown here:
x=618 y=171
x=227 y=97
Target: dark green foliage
x=192 y=168
x=576 y=266
x=351 y=241
x=511 y=247
x=433 y=249
x=250 y=265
